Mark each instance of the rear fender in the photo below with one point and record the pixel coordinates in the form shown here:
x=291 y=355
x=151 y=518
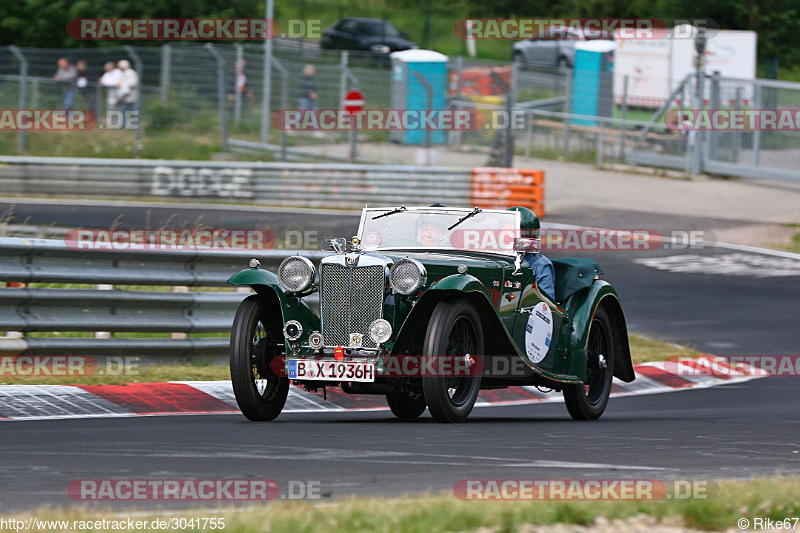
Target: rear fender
x=600 y=293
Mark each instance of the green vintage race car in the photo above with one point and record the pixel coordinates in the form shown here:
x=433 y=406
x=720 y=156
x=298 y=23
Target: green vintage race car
x=428 y=306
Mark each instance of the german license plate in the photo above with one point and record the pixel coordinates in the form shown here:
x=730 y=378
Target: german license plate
x=312 y=370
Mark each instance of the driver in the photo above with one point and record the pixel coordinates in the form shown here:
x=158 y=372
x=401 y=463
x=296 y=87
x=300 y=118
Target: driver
x=429 y=229
x=542 y=266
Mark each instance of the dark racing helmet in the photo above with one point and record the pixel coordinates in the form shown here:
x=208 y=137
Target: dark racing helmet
x=529 y=222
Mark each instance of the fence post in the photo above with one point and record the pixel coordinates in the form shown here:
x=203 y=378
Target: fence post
x=624 y=116
x=697 y=159
x=166 y=68
x=223 y=105
x=530 y=118
x=284 y=100
x=757 y=133
x=599 y=147
x=139 y=70
x=237 y=96
x=459 y=72
x=267 y=89
x=343 y=75
x=714 y=102
x=23 y=91
x=737 y=135
x=428 y=105
x=567 y=110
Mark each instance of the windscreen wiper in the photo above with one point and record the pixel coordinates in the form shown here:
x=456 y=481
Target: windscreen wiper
x=392 y=212
x=465 y=217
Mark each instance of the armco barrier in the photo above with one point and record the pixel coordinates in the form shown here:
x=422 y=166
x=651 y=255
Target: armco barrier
x=27 y=310
x=285 y=184
x=499 y=188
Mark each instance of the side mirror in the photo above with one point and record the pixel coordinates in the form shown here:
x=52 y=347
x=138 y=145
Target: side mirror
x=338 y=245
x=528 y=246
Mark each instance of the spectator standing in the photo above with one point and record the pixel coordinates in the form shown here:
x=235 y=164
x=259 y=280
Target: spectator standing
x=308 y=94
x=82 y=84
x=127 y=89
x=66 y=76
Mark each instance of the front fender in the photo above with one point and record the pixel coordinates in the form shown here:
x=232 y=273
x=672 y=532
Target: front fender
x=459 y=282
x=600 y=293
x=291 y=307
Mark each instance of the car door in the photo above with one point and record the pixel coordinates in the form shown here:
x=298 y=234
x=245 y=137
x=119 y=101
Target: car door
x=538 y=326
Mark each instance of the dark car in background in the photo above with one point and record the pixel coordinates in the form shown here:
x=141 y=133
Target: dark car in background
x=553 y=49
x=376 y=36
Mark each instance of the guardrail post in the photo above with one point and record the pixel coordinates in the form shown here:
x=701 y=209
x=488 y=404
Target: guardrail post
x=697 y=159
x=177 y=334
x=23 y=92
x=166 y=69
x=223 y=105
x=103 y=334
x=140 y=93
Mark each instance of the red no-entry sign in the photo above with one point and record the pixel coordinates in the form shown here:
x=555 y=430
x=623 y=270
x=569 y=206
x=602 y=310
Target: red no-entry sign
x=354 y=102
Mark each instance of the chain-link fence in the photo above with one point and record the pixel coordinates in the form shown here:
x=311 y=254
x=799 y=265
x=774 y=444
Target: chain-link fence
x=206 y=87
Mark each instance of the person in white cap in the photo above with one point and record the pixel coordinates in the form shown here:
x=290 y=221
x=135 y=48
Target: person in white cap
x=127 y=88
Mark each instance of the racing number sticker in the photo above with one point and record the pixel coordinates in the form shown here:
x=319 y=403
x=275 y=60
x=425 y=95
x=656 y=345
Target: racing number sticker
x=538 y=332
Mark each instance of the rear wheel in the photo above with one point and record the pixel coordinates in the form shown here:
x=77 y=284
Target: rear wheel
x=404 y=406
x=455 y=331
x=256 y=348
x=588 y=401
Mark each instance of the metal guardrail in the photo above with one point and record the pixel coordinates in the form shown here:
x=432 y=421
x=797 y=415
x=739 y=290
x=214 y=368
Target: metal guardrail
x=295 y=184
x=31 y=310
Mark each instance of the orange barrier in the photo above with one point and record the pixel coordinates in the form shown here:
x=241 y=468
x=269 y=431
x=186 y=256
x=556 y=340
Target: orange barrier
x=477 y=81
x=501 y=188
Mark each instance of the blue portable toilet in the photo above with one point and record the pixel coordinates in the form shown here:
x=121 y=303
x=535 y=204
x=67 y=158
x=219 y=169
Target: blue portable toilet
x=409 y=93
x=593 y=80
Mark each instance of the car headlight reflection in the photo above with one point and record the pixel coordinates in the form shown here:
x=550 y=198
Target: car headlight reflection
x=296 y=274
x=407 y=276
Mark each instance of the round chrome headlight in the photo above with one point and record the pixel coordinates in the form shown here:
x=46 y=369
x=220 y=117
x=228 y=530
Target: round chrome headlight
x=296 y=274
x=407 y=276
x=380 y=331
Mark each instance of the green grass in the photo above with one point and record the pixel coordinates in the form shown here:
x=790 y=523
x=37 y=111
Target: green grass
x=774 y=498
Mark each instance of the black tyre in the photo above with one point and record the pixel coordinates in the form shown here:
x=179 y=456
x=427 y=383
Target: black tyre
x=256 y=340
x=404 y=406
x=454 y=330
x=588 y=401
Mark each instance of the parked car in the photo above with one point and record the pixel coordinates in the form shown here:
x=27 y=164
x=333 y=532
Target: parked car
x=428 y=307
x=376 y=36
x=553 y=48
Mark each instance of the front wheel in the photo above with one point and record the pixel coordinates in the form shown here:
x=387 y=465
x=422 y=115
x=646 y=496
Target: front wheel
x=454 y=331
x=256 y=346
x=588 y=401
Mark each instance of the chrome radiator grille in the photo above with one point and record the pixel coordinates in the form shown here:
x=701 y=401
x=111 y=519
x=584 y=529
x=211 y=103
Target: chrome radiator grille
x=351 y=298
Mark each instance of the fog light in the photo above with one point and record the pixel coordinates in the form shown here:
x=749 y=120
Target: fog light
x=315 y=340
x=380 y=331
x=292 y=330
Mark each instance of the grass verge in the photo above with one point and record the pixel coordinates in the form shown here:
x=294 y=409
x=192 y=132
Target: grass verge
x=773 y=498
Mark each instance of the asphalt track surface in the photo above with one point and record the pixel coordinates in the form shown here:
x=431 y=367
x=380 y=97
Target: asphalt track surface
x=731 y=431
